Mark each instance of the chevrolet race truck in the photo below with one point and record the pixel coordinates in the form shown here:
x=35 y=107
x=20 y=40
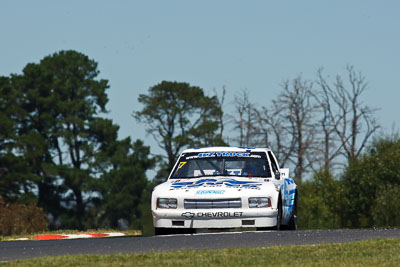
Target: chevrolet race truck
x=225 y=187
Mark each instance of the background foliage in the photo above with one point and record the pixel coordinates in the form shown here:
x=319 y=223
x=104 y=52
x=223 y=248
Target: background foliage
x=365 y=196
x=60 y=155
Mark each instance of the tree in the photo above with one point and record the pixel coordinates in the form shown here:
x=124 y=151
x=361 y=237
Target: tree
x=287 y=125
x=57 y=151
x=370 y=184
x=273 y=132
x=244 y=120
x=328 y=139
x=62 y=133
x=179 y=115
x=123 y=186
x=221 y=116
x=14 y=172
x=352 y=121
x=298 y=111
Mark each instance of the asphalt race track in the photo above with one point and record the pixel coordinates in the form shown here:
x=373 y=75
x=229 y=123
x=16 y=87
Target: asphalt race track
x=10 y=250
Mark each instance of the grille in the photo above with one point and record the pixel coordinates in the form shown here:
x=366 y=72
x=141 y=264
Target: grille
x=228 y=203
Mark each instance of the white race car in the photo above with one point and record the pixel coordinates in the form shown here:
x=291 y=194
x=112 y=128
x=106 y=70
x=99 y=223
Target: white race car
x=225 y=187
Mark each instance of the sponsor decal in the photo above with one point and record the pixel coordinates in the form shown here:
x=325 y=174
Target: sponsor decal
x=219 y=214
x=214 y=182
x=205 y=192
x=223 y=154
x=212 y=214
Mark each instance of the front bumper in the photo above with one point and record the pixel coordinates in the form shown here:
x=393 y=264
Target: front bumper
x=214 y=218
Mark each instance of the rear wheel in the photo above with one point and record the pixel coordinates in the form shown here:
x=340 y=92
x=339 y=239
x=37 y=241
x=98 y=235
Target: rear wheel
x=279 y=215
x=293 y=220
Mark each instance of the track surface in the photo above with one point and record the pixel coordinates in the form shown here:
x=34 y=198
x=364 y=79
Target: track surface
x=11 y=250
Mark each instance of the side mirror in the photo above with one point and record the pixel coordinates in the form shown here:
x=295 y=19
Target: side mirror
x=277 y=175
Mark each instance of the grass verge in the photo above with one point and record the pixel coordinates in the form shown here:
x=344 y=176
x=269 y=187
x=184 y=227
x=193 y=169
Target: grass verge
x=74 y=232
x=378 y=252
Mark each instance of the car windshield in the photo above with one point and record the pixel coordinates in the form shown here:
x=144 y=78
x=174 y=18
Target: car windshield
x=243 y=164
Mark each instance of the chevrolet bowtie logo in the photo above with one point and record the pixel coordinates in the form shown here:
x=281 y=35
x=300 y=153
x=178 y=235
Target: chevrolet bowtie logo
x=188 y=215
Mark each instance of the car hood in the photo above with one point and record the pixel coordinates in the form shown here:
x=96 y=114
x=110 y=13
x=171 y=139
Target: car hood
x=221 y=187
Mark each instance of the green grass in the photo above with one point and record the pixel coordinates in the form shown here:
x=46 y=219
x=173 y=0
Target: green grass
x=32 y=236
x=378 y=252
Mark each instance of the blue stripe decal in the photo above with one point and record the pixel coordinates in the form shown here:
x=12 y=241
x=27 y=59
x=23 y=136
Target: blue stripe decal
x=289 y=181
x=212 y=182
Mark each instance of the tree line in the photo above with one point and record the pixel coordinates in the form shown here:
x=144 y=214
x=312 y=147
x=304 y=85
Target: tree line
x=321 y=129
x=59 y=152
x=313 y=125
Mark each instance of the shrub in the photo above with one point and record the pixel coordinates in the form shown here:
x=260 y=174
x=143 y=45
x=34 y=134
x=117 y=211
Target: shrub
x=21 y=219
x=385 y=210
x=319 y=205
x=372 y=185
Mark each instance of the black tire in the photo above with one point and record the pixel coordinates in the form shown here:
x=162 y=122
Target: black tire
x=293 y=220
x=279 y=215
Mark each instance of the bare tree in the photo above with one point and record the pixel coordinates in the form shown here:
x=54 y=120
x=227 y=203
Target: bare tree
x=307 y=129
x=351 y=121
x=327 y=141
x=288 y=126
x=221 y=116
x=244 y=119
x=298 y=108
x=329 y=148
x=272 y=132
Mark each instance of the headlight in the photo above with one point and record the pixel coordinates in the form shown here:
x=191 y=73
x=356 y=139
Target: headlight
x=166 y=203
x=259 y=202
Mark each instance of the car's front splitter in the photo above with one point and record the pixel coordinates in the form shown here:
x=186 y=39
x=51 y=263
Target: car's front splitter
x=214 y=218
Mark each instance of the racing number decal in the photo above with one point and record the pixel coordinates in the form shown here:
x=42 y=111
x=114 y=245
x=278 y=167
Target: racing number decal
x=182 y=164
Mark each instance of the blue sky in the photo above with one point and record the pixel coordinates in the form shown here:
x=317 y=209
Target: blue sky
x=239 y=44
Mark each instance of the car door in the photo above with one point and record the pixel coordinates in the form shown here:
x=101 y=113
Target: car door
x=278 y=181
